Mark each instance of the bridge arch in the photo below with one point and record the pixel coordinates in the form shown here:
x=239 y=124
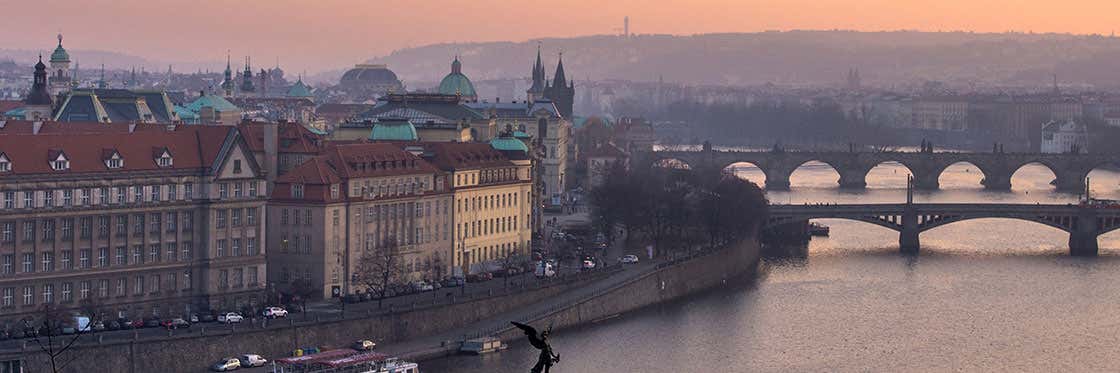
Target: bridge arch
x=1033 y=174
x=888 y=174
x=674 y=163
x=814 y=173
x=1064 y=225
x=964 y=173
x=748 y=171
x=1102 y=180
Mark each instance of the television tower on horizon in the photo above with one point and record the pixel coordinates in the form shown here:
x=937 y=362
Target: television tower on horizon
x=626 y=26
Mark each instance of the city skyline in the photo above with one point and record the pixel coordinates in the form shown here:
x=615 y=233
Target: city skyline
x=292 y=32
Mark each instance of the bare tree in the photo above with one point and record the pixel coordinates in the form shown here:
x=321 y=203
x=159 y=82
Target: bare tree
x=302 y=290
x=380 y=268
x=509 y=262
x=49 y=321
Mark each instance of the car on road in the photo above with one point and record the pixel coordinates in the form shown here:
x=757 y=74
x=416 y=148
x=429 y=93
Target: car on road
x=176 y=323
x=588 y=264
x=363 y=345
x=628 y=259
x=226 y=364
x=138 y=323
x=421 y=286
x=230 y=317
x=252 y=360
x=274 y=312
x=97 y=326
x=152 y=322
x=558 y=235
x=451 y=282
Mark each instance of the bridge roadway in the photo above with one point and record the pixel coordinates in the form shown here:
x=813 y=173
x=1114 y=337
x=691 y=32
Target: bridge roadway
x=1084 y=223
x=1070 y=169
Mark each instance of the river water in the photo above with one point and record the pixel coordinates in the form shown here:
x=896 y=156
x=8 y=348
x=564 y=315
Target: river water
x=984 y=295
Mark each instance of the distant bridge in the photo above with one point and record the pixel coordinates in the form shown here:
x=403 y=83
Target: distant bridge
x=1084 y=223
x=926 y=167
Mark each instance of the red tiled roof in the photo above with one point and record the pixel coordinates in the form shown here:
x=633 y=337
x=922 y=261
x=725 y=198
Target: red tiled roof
x=462 y=155
x=193 y=147
x=26 y=127
x=315 y=171
x=291 y=137
x=380 y=159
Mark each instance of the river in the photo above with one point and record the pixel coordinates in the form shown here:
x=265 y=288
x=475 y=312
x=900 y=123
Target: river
x=984 y=295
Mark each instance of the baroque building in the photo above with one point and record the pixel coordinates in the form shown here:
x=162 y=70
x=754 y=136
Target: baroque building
x=134 y=220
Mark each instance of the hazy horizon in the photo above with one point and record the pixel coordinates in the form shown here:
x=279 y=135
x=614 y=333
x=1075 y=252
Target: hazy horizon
x=332 y=34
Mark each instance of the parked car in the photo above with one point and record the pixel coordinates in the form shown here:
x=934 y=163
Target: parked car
x=176 y=323
x=351 y=298
x=293 y=307
x=252 y=360
x=587 y=264
x=124 y=323
x=226 y=364
x=152 y=322
x=451 y=282
x=421 y=286
x=363 y=345
x=365 y=297
x=138 y=323
x=230 y=317
x=97 y=326
x=628 y=259
x=559 y=235
x=274 y=312
x=207 y=317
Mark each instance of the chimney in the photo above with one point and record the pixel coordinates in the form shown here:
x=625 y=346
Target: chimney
x=271 y=142
x=35 y=127
x=131 y=127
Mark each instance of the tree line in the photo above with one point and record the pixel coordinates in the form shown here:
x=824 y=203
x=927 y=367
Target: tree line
x=674 y=207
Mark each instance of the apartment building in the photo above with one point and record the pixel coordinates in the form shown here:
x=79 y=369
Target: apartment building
x=133 y=220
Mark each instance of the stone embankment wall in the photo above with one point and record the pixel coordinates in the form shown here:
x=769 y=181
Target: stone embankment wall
x=669 y=282
x=194 y=352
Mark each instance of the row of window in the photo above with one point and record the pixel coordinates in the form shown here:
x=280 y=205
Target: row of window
x=491 y=201
x=121 y=256
x=237 y=278
x=295 y=217
x=68 y=292
x=64 y=228
x=490 y=253
x=119 y=195
x=233 y=217
x=235 y=248
x=490 y=226
x=389 y=187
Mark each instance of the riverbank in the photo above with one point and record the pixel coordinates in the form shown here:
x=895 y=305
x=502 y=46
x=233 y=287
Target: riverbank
x=640 y=287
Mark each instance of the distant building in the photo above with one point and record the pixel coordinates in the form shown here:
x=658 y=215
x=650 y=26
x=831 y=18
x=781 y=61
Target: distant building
x=39 y=103
x=212 y=109
x=367 y=82
x=455 y=83
x=60 y=70
x=1065 y=136
x=436 y=117
x=560 y=91
x=116 y=106
x=601 y=160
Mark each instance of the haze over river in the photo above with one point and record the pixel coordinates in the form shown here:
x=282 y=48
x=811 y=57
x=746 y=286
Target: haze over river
x=984 y=295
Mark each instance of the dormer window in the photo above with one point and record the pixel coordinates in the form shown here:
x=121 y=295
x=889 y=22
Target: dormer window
x=114 y=161
x=164 y=159
x=60 y=162
x=5 y=163
x=297 y=191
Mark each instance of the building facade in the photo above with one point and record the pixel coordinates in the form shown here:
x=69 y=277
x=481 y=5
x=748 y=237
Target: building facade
x=350 y=202
x=1065 y=136
x=131 y=220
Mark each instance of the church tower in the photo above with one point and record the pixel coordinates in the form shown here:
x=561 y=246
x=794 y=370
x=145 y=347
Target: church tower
x=560 y=91
x=60 y=70
x=227 y=81
x=247 y=88
x=39 y=103
x=536 y=92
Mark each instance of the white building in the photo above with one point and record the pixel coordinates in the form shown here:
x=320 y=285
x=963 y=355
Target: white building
x=1064 y=136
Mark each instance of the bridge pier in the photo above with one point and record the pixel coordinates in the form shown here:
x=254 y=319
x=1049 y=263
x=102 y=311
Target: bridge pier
x=908 y=241
x=1001 y=181
x=777 y=182
x=1083 y=244
x=926 y=180
x=853 y=179
x=1070 y=182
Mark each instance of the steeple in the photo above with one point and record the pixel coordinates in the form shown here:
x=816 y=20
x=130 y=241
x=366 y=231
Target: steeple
x=247 y=78
x=101 y=80
x=227 y=81
x=537 y=90
x=39 y=94
x=456 y=66
x=559 y=80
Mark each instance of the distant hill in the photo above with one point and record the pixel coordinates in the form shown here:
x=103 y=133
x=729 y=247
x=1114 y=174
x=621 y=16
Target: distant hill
x=91 y=60
x=792 y=57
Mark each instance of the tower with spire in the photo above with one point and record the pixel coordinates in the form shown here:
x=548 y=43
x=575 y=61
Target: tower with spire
x=560 y=91
x=39 y=102
x=60 y=81
x=227 y=81
x=247 y=88
x=536 y=91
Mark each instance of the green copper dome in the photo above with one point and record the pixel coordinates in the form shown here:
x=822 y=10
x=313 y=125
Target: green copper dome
x=60 y=54
x=506 y=143
x=394 y=130
x=456 y=83
x=299 y=89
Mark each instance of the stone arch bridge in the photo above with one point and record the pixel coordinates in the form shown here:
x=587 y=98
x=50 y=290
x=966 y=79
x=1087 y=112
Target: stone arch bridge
x=926 y=167
x=1084 y=223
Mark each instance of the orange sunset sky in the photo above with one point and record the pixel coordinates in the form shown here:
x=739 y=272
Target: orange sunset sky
x=314 y=35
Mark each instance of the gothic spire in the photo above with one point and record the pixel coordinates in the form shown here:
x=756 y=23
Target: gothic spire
x=559 y=80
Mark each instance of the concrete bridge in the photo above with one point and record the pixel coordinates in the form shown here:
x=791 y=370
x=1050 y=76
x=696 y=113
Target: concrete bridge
x=926 y=167
x=1084 y=223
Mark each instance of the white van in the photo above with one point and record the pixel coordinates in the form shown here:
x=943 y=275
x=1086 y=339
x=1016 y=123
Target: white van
x=545 y=269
